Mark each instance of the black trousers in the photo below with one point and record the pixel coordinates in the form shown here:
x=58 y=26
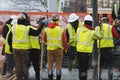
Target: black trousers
x=83 y=63
x=34 y=58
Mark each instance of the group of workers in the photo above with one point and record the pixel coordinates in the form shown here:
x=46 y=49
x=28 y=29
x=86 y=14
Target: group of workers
x=22 y=45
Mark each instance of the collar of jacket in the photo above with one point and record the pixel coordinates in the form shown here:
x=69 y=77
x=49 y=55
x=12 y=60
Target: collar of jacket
x=87 y=26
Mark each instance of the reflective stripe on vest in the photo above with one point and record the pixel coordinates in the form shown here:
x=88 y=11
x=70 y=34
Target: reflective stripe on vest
x=54 y=38
x=34 y=40
x=7 y=46
x=20 y=37
x=9 y=28
x=71 y=32
x=84 y=41
x=107 y=40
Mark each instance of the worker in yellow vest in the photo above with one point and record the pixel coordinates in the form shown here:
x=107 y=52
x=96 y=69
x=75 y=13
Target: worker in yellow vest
x=71 y=31
x=9 y=58
x=20 y=37
x=85 y=39
x=9 y=63
x=55 y=38
x=34 y=55
x=107 y=45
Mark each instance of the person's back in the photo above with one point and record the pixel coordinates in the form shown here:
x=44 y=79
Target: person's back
x=54 y=36
x=20 y=43
x=85 y=39
x=71 y=31
x=107 y=40
x=107 y=45
x=7 y=49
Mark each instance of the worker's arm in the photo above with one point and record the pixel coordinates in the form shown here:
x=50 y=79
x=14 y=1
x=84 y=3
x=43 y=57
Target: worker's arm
x=4 y=31
x=99 y=33
x=114 y=33
x=64 y=40
x=34 y=32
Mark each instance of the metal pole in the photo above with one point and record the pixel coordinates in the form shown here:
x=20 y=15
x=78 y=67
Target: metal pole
x=95 y=23
x=119 y=3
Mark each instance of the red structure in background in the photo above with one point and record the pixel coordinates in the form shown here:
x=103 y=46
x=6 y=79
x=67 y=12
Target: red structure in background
x=4 y=15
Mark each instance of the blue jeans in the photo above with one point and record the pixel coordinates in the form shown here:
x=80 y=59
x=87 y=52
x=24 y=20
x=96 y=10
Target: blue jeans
x=10 y=63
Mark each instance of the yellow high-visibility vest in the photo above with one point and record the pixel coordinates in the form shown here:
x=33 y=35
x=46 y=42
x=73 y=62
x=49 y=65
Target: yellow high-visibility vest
x=54 y=38
x=107 y=40
x=7 y=46
x=72 y=35
x=20 y=37
x=9 y=28
x=84 y=40
x=34 y=41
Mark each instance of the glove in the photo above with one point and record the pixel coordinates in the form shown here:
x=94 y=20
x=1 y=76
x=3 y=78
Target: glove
x=40 y=20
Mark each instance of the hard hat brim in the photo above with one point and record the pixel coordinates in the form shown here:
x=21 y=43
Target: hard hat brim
x=69 y=20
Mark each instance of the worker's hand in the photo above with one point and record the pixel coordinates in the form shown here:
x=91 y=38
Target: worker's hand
x=40 y=21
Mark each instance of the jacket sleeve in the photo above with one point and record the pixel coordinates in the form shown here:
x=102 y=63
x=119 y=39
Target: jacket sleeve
x=114 y=33
x=4 y=31
x=98 y=34
x=34 y=32
x=64 y=40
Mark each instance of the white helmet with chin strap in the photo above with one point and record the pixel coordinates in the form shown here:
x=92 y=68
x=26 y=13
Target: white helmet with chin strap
x=73 y=17
x=14 y=21
x=88 y=18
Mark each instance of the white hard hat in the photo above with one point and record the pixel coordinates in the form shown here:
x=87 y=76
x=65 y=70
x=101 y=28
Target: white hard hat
x=88 y=18
x=13 y=17
x=21 y=16
x=73 y=17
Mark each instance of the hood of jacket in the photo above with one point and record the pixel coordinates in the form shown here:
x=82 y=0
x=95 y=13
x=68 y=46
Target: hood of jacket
x=86 y=28
x=52 y=24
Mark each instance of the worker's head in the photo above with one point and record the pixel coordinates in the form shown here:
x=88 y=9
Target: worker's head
x=21 y=16
x=24 y=18
x=88 y=19
x=55 y=17
x=73 y=19
x=104 y=20
x=14 y=19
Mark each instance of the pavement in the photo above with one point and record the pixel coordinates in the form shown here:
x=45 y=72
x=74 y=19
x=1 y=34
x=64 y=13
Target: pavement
x=73 y=75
